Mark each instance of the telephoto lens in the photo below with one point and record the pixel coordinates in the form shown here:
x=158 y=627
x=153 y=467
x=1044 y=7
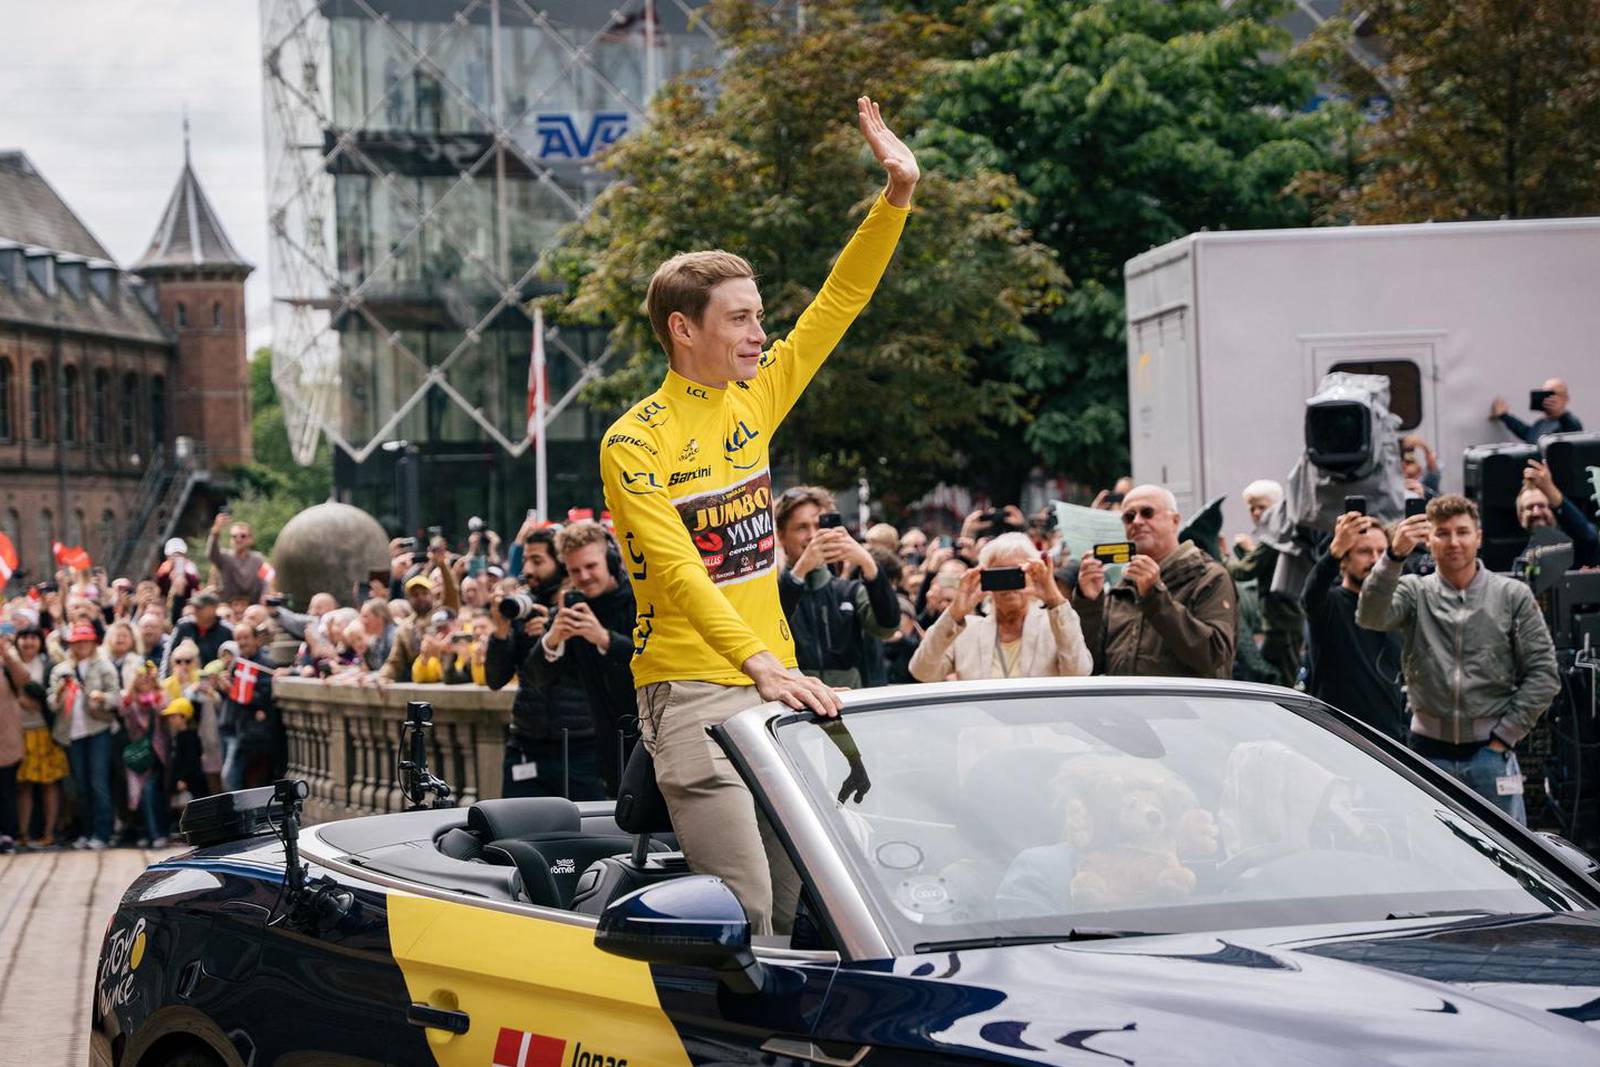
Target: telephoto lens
x=517 y=606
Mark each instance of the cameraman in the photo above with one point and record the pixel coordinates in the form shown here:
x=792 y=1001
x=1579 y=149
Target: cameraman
x=544 y=710
x=589 y=641
x=827 y=614
x=1540 y=503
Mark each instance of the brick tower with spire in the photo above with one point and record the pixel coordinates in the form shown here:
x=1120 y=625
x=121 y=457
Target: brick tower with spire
x=198 y=279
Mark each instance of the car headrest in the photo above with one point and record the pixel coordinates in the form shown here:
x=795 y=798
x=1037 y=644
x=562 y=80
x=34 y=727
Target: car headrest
x=641 y=809
x=496 y=820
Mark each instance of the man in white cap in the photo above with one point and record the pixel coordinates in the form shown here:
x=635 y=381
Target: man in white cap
x=178 y=577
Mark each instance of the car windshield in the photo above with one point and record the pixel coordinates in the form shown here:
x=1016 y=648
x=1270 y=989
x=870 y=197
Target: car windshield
x=1092 y=814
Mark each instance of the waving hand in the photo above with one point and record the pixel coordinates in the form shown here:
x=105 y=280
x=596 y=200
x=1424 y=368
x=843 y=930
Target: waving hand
x=890 y=151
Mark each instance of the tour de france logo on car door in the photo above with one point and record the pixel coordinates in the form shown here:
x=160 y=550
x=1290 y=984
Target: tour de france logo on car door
x=732 y=528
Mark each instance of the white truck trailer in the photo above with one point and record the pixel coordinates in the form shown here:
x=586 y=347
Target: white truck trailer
x=1229 y=333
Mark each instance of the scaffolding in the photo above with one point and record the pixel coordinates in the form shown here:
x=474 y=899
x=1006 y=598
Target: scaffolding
x=421 y=155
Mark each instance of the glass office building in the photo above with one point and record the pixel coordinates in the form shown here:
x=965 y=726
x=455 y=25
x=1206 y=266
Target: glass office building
x=422 y=154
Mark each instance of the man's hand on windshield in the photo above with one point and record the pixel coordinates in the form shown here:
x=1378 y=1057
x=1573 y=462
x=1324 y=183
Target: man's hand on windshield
x=774 y=681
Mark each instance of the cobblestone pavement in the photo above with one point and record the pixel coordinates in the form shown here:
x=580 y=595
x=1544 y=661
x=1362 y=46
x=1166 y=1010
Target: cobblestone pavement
x=53 y=912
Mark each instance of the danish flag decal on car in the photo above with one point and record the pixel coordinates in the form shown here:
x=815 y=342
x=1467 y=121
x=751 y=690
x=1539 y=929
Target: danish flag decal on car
x=522 y=1048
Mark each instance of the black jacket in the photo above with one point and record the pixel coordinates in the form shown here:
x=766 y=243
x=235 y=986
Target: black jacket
x=605 y=677
x=541 y=710
x=208 y=642
x=1355 y=669
x=829 y=616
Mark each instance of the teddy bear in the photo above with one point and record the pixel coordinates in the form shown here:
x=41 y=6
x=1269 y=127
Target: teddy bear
x=1132 y=823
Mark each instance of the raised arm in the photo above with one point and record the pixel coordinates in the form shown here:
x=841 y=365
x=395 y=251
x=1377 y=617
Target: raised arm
x=789 y=365
x=1388 y=601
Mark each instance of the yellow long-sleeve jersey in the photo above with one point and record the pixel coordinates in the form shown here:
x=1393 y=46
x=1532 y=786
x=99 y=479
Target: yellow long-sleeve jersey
x=687 y=480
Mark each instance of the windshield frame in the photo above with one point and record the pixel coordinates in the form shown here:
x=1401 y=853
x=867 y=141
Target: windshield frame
x=1523 y=844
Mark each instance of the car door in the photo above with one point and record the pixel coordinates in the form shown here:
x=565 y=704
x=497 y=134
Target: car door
x=530 y=989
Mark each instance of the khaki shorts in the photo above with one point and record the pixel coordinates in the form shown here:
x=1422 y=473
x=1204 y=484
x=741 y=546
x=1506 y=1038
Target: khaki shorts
x=715 y=817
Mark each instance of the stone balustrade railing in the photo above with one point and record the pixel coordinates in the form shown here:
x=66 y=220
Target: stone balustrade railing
x=344 y=741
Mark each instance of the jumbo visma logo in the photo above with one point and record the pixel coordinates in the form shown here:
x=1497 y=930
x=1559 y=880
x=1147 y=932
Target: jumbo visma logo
x=736 y=447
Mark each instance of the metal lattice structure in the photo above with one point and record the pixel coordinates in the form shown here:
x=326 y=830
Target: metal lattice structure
x=421 y=155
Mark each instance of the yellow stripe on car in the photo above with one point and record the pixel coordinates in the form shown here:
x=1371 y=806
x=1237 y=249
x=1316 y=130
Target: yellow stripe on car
x=529 y=975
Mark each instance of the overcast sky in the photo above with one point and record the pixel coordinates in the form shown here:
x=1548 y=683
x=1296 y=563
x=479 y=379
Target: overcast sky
x=94 y=92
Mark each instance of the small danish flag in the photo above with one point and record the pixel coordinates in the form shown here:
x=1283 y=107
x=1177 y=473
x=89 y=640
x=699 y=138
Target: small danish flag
x=521 y=1048
x=245 y=673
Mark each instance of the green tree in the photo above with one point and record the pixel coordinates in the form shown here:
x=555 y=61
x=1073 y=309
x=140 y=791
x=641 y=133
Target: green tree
x=1128 y=123
x=274 y=487
x=768 y=162
x=1491 y=110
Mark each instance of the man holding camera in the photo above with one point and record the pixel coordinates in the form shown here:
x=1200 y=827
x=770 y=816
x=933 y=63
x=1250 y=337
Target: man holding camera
x=1541 y=503
x=1479 y=664
x=1175 y=612
x=589 y=641
x=1355 y=669
x=1550 y=402
x=688 y=480
x=550 y=742
x=827 y=614
x=1031 y=633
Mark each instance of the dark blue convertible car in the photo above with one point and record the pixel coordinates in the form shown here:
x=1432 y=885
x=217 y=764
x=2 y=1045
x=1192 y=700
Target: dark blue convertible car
x=1086 y=871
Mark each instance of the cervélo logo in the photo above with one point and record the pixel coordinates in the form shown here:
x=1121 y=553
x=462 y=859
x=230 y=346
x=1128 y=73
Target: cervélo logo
x=523 y=1048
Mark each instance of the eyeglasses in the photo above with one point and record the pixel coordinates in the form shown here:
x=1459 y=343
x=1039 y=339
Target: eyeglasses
x=1146 y=513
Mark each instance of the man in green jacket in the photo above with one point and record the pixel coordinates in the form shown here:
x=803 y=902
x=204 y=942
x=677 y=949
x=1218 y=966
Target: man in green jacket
x=1175 y=611
x=1478 y=661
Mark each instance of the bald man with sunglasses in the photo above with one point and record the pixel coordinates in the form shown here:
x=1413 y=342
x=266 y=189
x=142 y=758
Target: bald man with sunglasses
x=1175 y=611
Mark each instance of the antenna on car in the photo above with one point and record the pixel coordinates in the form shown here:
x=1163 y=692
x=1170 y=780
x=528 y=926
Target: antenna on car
x=417 y=783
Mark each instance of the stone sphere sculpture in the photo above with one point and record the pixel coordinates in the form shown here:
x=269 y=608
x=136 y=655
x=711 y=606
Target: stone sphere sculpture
x=329 y=548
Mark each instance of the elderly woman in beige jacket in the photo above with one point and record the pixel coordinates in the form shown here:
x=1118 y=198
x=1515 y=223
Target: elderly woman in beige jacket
x=1028 y=633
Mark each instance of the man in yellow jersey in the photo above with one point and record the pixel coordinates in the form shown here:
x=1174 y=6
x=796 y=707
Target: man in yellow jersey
x=687 y=480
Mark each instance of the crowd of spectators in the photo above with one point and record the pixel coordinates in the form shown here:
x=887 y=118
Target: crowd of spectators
x=121 y=699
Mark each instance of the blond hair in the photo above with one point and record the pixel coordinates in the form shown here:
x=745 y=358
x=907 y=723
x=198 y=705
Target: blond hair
x=684 y=283
x=579 y=535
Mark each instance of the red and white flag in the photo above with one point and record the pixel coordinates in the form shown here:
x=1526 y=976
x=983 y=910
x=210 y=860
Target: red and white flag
x=521 y=1048
x=72 y=556
x=268 y=574
x=8 y=559
x=245 y=673
x=538 y=377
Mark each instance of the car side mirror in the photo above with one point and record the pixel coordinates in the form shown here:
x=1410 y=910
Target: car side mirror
x=687 y=922
x=1574 y=855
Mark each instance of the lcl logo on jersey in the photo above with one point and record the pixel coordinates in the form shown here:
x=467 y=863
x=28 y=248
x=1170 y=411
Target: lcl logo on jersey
x=652 y=414
x=640 y=482
x=736 y=443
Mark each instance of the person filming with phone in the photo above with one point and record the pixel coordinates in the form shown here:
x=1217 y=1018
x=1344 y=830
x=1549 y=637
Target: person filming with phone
x=1479 y=664
x=1030 y=630
x=829 y=615
x=1175 y=611
x=589 y=641
x=1549 y=402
